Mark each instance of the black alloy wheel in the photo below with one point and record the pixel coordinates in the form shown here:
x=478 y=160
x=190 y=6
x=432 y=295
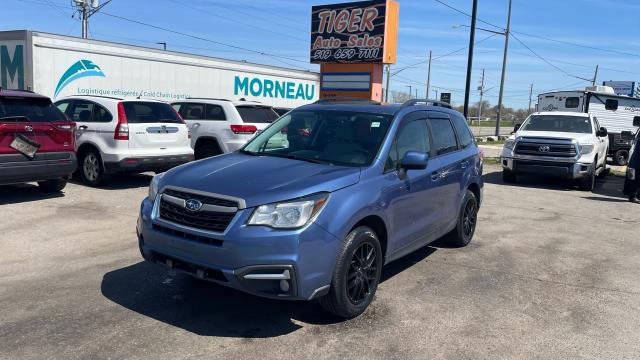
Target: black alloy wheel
x=361 y=277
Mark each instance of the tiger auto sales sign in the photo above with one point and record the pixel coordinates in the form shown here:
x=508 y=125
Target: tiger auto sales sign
x=349 y=32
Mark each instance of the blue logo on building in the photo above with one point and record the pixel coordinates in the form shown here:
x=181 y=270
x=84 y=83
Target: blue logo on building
x=80 y=69
x=273 y=89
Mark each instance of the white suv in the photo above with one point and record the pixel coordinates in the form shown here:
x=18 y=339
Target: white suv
x=125 y=135
x=221 y=126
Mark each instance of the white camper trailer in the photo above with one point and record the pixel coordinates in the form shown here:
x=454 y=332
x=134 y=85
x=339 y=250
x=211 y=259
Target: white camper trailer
x=614 y=112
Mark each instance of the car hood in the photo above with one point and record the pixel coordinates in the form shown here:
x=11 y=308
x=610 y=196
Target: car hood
x=581 y=137
x=260 y=180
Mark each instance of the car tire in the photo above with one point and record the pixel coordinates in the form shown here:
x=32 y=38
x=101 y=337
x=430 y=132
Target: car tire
x=467 y=219
x=356 y=275
x=508 y=177
x=206 y=150
x=621 y=157
x=589 y=183
x=52 y=185
x=91 y=168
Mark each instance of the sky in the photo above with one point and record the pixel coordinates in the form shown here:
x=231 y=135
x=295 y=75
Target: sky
x=554 y=42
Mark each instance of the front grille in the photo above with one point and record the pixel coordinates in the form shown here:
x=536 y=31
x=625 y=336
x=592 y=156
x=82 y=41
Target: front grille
x=206 y=219
x=188 y=236
x=545 y=149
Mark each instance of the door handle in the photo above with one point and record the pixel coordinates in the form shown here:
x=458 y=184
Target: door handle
x=435 y=176
x=83 y=127
x=196 y=125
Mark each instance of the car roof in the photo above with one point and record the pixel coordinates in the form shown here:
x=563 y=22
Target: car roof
x=219 y=100
x=107 y=98
x=20 y=93
x=564 y=113
x=385 y=109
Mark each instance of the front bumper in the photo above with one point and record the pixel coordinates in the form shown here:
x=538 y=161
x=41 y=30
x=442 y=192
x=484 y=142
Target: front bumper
x=561 y=169
x=16 y=168
x=290 y=264
x=147 y=163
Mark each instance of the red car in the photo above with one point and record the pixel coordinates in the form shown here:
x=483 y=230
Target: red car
x=37 y=141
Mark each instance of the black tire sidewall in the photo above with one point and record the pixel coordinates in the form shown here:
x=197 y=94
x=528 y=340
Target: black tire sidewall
x=55 y=185
x=461 y=239
x=207 y=150
x=341 y=304
x=617 y=155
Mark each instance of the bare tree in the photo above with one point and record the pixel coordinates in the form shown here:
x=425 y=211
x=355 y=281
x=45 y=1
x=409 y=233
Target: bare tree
x=400 y=97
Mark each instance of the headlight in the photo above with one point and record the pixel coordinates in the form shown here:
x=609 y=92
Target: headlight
x=289 y=215
x=153 y=187
x=509 y=144
x=586 y=149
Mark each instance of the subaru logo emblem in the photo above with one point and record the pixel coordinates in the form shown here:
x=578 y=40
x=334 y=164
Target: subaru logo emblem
x=544 y=149
x=28 y=128
x=193 y=205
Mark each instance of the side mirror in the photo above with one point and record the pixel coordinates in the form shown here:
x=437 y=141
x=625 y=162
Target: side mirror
x=636 y=121
x=603 y=132
x=414 y=160
x=516 y=128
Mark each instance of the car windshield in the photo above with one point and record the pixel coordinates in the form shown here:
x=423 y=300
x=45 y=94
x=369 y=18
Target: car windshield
x=344 y=138
x=29 y=109
x=257 y=114
x=142 y=112
x=558 y=123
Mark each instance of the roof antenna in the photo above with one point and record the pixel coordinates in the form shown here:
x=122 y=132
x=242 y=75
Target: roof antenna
x=243 y=99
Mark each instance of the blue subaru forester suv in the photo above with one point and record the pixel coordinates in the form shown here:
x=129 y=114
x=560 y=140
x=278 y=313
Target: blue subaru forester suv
x=315 y=205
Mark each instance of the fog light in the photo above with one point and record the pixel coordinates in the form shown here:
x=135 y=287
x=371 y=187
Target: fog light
x=284 y=285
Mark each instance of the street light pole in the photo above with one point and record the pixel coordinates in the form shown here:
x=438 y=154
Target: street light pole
x=386 y=90
x=504 y=68
x=472 y=36
x=530 y=94
x=428 y=78
x=481 y=94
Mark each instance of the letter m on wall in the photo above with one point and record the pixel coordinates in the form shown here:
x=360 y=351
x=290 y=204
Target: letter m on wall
x=12 y=67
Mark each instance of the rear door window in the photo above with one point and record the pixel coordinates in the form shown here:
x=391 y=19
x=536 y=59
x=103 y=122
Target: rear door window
x=464 y=133
x=100 y=114
x=443 y=135
x=81 y=111
x=214 y=112
x=139 y=112
x=257 y=114
x=192 y=111
x=32 y=109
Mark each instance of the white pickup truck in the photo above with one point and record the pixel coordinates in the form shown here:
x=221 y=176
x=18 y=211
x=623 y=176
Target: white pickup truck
x=568 y=145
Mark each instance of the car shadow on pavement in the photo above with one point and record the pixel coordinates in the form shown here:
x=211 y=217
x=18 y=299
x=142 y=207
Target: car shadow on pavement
x=122 y=181
x=208 y=309
x=16 y=194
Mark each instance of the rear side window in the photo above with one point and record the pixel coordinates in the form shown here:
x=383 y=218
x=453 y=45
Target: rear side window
x=81 y=111
x=214 y=112
x=34 y=109
x=101 y=114
x=139 y=112
x=572 y=102
x=464 y=133
x=257 y=114
x=190 y=111
x=444 y=138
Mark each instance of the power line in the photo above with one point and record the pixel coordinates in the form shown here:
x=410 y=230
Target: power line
x=205 y=39
x=467 y=14
x=547 y=61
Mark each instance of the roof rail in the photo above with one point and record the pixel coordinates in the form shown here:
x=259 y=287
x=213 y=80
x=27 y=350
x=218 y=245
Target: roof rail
x=205 y=98
x=346 y=99
x=429 y=102
x=100 y=96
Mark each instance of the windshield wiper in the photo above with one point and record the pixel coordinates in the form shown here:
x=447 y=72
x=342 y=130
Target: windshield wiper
x=252 y=153
x=295 y=157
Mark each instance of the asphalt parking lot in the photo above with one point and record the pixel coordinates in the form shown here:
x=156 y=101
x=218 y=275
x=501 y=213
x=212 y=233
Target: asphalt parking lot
x=552 y=273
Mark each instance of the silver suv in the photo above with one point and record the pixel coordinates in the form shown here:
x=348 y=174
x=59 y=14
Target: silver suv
x=125 y=135
x=221 y=126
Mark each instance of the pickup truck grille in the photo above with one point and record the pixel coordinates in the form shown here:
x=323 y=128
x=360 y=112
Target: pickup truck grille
x=215 y=215
x=541 y=148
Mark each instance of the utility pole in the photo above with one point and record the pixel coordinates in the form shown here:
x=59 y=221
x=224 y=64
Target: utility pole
x=428 y=77
x=410 y=92
x=386 y=90
x=481 y=94
x=595 y=76
x=88 y=8
x=416 y=93
x=504 y=68
x=436 y=94
x=472 y=36
x=530 y=94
